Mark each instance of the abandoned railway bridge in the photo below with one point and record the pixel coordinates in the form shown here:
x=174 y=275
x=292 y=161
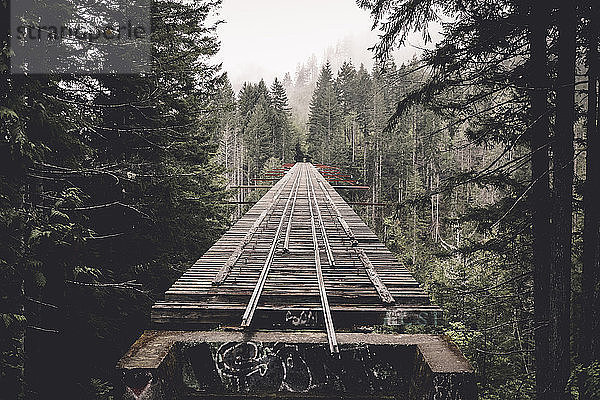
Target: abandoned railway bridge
x=283 y=305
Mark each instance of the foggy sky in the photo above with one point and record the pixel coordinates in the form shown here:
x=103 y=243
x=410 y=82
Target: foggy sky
x=267 y=38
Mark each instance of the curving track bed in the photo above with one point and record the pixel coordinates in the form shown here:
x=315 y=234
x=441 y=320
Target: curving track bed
x=299 y=259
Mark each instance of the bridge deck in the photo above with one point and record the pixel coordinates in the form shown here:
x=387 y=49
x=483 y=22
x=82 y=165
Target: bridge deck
x=217 y=289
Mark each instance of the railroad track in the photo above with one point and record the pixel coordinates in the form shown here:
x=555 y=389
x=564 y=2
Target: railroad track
x=300 y=258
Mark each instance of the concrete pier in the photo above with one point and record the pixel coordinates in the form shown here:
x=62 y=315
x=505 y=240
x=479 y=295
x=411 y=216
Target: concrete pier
x=236 y=365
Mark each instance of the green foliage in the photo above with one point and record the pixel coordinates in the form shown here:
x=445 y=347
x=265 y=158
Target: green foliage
x=101 y=390
x=10 y=320
x=584 y=382
x=325 y=140
x=113 y=180
x=280 y=121
x=262 y=132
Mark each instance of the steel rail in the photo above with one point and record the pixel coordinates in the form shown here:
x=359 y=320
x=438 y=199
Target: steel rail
x=333 y=345
x=253 y=303
x=382 y=290
x=237 y=252
x=288 y=230
x=328 y=249
x=339 y=216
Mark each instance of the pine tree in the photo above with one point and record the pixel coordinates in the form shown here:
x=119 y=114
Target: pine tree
x=347 y=91
x=324 y=144
x=257 y=117
x=346 y=86
x=258 y=138
x=226 y=134
x=287 y=81
x=280 y=122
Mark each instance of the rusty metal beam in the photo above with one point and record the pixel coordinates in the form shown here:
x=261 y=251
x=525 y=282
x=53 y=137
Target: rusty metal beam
x=251 y=187
x=350 y=187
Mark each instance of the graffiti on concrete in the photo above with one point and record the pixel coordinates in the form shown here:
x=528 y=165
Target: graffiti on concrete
x=305 y=318
x=249 y=367
x=404 y=318
x=261 y=368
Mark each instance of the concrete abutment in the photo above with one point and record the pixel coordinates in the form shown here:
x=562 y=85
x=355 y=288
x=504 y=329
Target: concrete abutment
x=268 y=364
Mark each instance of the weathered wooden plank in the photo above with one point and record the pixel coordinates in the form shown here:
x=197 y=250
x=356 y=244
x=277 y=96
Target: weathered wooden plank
x=321 y=224
x=226 y=269
x=361 y=272
x=249 y=313
x=382 y=290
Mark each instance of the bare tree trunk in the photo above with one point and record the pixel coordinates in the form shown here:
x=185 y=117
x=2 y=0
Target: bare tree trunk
x=596 y=146
x=380 y=189
x=375 y=156
x=238 y=171
x=591 y=230
x=328 y=146
x=437 y=208
x=562 y=197
x=353 y=142
x=431 y=199
x=540 y=193
x=399 y=187
x=414 y=196
x=227 y=172
x=373 y=195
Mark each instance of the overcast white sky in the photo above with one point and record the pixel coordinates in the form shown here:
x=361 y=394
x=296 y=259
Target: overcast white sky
x=266 y=38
